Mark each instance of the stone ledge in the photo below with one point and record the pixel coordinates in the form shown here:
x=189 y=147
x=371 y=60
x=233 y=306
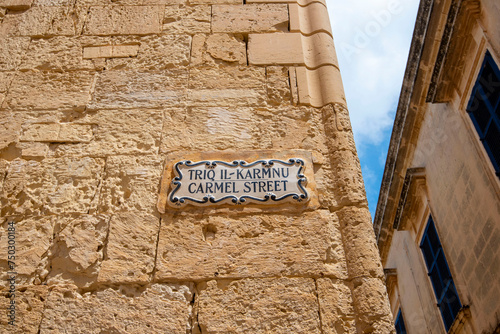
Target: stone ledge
x=309 y=19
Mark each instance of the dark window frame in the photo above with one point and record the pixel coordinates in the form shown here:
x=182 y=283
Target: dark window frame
x=485 y=101
x=439 y=274
x=400 y=323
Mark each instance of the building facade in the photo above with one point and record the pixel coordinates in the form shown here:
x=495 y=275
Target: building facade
x=108 y=107
x=438 y=217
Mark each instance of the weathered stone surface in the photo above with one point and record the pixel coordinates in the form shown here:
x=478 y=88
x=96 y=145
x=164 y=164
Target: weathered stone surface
x=250 y=18
x=336 y=309
x=184 y=19
x=359 y=241
x=222 y=128
x=155 y=53
x=128 y=2
x=11 y=52
x=59 y=53
x=51 y=3
x=229 y=247
x=56 y=132
x=33 y=150
x=40 y=22
x=157 y=308
x=372 y=306
x=133 y=131
x=30 y=301
x=124 y=20
x=282 y=305
x=226 y=77
x=10 y=129
x=131 y=249
x=278 y=85
x=218 y=2
x=33 y=237
x=211 y=128
x=44 y=90
x=77 y=250
x=5 y=80
x=131 y=184
x=64 y=185
x=211 y=49
x=133 y=89
x=4 y=166
x=350 y=188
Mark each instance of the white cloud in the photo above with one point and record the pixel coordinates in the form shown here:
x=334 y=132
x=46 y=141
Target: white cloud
x=372 y=39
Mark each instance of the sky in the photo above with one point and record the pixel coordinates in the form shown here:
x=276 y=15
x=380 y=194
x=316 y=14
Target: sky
x=372 y=39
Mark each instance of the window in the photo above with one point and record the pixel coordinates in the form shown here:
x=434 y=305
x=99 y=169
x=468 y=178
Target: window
x=439 y=274
x=484 y=109
x=400 y=324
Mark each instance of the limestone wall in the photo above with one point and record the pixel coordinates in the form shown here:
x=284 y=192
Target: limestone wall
x=97 y=96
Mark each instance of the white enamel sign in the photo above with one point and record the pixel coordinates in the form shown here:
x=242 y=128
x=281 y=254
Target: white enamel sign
x=238 y=182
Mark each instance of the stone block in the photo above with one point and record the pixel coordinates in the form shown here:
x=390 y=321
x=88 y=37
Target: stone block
x=350 y=189
x=360 y=245
x=135 y=131
x=40 y=22
x=138 y=89
x=281 y=305
x=336 y=308
x=183 y=19
x=292 y=49
x=218 y=2
x=55 y=132
x=275 y=49
x=33 y=150
x=212 y=49
x=124 y=20
x=131 y=184
x=11 y=52
x=300 y=2
x=250 y=18
x=33 y=238
x=16 y=4
x=45 y=90
x=30 y=301
x=227 y=86
x=77 y=249
x=155 y=53
x=131 y=249
x=65 y=185
x=372 y=306
x=152 y=309
x=246 y=246
x=110 y=51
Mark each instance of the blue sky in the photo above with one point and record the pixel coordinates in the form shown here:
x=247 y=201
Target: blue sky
x=372 y=38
